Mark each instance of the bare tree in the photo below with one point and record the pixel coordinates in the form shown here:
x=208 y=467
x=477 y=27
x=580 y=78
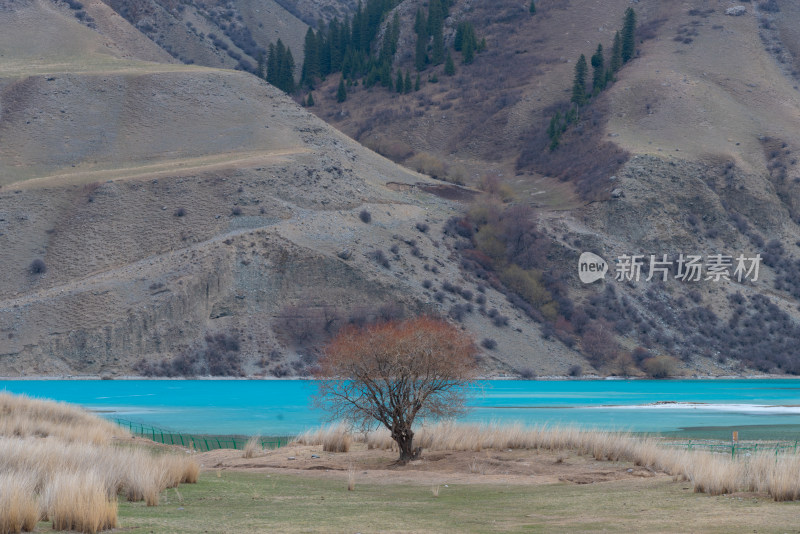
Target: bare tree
x=391 y=373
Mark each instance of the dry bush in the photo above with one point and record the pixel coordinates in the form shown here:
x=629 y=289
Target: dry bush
x=429 y=164
x=333 y=438
x=495 y=186
x=252 y=446
x=599 y=344
x=662 y=366
x=394 y=149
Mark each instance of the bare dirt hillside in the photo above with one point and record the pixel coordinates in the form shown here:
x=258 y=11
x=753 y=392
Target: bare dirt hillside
x=154 y=210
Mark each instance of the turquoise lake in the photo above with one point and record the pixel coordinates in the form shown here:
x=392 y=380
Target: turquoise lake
x=283 y=407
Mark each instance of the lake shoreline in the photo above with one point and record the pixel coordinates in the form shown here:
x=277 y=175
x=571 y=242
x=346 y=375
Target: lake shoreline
x=588 y=378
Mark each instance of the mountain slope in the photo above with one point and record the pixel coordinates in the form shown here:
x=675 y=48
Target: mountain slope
x=150 y=210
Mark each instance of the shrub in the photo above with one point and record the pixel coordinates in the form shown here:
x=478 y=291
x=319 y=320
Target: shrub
x=526 y=373
x=380 y=258
x=365 y=216
x=429 y=164
x=422 y=227
x=180 y=212
x=575 y=370
x=769 y=6
x=459 y=311
x=236 y=211
x=599 y=344
x=660 y=366
x=489 y=343
x=37 y=266
x=527 y=283
x=219 y=357
x=500 y=320
x=427 y=284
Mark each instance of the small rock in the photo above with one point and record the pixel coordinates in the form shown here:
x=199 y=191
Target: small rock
x=630 y=470
x=736 y=11
x=314 y=456
x=345 y=254
x=291 y=458
x=617 y=193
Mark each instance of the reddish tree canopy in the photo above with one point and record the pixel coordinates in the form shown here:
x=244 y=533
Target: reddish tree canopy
x=394 y=372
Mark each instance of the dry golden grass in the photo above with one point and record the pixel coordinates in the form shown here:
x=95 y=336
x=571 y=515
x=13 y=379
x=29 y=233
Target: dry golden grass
x=19 y=510
x=333 y=438
x=23 y=416
x=78 y=501
x=252 y=446
x=712 y=473
x=57 y=463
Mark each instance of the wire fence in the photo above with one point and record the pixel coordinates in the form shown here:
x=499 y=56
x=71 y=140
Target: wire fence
x=198 y=442
x=740 y=449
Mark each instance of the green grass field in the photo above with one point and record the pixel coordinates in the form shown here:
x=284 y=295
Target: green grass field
x=250 y=502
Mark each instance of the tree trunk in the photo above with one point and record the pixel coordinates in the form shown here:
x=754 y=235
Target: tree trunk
x=405 y=442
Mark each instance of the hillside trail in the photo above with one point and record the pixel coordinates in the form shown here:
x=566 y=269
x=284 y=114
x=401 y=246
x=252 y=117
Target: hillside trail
x=172 y=168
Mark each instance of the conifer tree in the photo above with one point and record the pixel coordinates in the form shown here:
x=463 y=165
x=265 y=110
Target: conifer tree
x=599 y=70
x=310 y=101
x=311 y=50
x=272 y=64
x=579 y=83
x=468 y=50
x=436 y=29
x=407 y=86
x=341 y=93
x=629 y=35
x=333 y=42
x=616 y=54
x=449 y=66
x=398 y=86
x=385 y=74
x=421 y=51
x=532 y=7
x=417 y=83
x=287 y=72
x=458 y=42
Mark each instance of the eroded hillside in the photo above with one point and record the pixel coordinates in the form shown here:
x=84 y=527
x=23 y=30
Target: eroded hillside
x=156 y=211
